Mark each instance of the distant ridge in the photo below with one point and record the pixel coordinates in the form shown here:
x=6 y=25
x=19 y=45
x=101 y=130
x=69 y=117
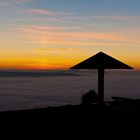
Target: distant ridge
x=36 y=74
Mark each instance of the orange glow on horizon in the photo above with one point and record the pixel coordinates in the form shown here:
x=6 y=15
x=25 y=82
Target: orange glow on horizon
x=36 y=63
x=55 y=64
x=57 y=59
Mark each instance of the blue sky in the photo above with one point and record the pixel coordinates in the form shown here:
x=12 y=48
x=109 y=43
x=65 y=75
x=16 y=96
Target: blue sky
x=91 y=7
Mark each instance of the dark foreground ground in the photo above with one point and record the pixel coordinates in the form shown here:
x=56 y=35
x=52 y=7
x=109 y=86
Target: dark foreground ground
x=119 y=113
x=82 y=109
x=115 y=114
x=111 y=120
x=117 y=105
x=71 y=109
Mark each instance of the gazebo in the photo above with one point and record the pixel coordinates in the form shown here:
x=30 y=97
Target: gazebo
x=101 y=61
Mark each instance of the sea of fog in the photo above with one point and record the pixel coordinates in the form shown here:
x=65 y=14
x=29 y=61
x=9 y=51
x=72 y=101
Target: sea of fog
x=23 y=90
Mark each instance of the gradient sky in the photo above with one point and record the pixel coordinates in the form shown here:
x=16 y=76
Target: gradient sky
x=57 y=34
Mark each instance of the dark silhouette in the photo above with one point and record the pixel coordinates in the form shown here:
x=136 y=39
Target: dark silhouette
x=20 y=73
x=101 y=61
x=89 y=98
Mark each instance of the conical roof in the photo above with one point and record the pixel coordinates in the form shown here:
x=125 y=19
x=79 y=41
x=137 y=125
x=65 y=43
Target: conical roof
x=101 y=60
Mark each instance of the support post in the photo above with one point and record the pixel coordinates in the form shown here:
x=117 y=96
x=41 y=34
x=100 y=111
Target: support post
x=101 y=86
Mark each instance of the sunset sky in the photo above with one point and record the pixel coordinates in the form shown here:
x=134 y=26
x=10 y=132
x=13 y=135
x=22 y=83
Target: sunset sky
x=57 y=34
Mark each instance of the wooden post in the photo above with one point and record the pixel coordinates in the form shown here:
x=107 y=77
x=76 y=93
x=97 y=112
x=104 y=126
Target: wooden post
x=101 y=86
